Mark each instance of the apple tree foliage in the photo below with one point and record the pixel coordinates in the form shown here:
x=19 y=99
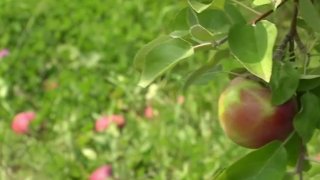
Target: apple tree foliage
x=275 y=41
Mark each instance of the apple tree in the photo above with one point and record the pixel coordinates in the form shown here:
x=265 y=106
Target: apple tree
x=269 y=49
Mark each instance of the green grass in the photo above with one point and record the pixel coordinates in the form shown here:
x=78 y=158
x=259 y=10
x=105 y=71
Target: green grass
x=87 y=48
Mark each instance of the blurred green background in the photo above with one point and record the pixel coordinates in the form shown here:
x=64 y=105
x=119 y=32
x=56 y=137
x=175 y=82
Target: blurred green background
x=72 y=61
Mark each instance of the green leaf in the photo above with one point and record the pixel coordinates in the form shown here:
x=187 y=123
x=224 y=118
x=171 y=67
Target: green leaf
x=203 y=75
x=201 y=34
x=216 y=21
x=307 y=120
x=199 y=5
x=293 y=148
x=160 y=56
x=268 y=162
x=184 y=19
x=253 y=47
x=218 y=4
x=284 y=82
x=308 y=84
x=310 y=14
x=261 y=2
x=275 y=3
x=234 y=15
x=209 y=71
x=139 y=59
x=212 y=70
x=316 y=91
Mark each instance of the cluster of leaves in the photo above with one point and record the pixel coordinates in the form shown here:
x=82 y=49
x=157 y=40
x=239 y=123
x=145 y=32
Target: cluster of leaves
x=236 y=43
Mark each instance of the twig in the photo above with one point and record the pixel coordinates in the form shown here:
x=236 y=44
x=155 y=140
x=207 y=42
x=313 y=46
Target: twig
x=211 y=45
x=300 y=162
x=220 y=41
x=292 y=55
x=289 y=38
x=202 y=46
x=266 y=14
x=280 y=51
x=293 y=31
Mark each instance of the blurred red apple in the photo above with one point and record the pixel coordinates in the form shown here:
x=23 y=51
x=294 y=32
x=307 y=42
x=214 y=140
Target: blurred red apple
x=105 y=121
x=4 y=53
x=118 y=120
x=102 y=123
x=20 y=123
x=102 y=173
x=148 y=112
x=248 y=117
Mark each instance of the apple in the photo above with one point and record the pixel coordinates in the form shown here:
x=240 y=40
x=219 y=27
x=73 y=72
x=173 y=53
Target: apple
x=248 y=117
x=118 y=120
x=149 y=112
x=21 y=121
x=105 y=121
x=102 y=123
x=102 y=173
x=4 y=53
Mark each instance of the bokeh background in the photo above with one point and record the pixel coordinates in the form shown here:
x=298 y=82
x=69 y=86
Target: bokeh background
x=72 y=62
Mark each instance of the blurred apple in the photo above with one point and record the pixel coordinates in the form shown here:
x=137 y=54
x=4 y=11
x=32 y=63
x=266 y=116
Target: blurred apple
x=118 y=120
x=105 y=121
x=20 y=123
x=248 y=117
x=4 y=53
x=149 y=112
x=102 y=123
x=102 y=173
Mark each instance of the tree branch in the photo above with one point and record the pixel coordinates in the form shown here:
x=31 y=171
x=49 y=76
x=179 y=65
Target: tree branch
x=289 y=38
x=293 y=31
x=280 y=51
x=300 y=162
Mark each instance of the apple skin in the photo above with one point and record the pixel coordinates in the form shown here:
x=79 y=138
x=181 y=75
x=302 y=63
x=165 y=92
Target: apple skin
x=21 y=121
x=149 y=112
x=102 y=173
x=102 y=123
x=105 y=121
x=248 y=117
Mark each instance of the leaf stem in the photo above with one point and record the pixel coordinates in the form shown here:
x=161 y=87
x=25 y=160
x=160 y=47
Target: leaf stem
x=202 y=46
x=210 y=45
